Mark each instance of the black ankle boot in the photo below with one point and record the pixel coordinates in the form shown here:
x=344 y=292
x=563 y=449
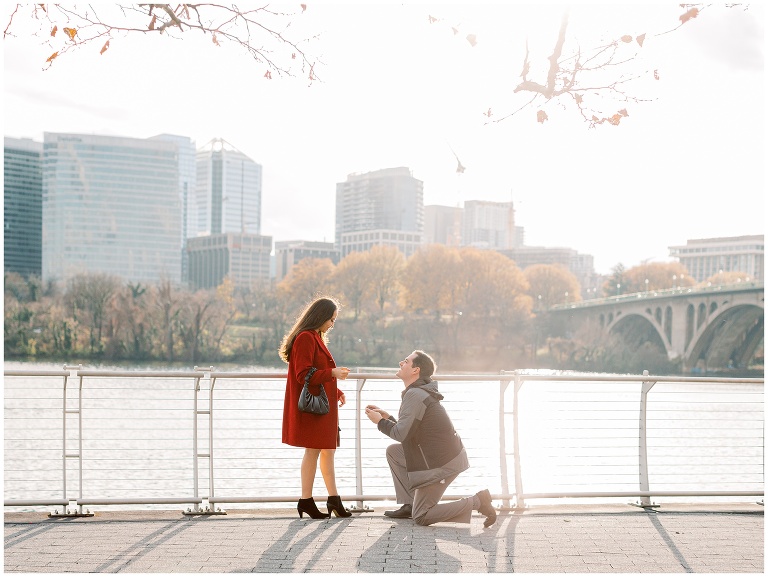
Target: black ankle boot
x=308 y=506
x=335 y=506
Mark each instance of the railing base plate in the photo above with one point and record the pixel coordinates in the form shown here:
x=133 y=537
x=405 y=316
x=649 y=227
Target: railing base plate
x=646 y=505
x=206 y=511
x=68 y=513
x=364 y=509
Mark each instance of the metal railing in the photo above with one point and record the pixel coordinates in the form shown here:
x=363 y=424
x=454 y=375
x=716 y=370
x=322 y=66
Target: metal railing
x=167 y=437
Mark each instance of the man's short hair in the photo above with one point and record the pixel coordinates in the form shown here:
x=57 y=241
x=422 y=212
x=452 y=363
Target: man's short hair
x=426 y=364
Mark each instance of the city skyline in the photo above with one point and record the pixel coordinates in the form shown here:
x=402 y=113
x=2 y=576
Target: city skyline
x=675 y=169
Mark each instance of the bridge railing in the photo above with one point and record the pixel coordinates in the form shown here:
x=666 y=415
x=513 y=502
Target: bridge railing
x=661 y=293
x=205 y=438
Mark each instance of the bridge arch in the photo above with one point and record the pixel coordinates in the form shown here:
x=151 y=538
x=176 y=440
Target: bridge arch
x=729 y=338
x=637 y=329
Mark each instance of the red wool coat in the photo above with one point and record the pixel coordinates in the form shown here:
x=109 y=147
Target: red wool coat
x=305 y=429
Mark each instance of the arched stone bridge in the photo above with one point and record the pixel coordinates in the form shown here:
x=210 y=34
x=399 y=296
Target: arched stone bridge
x=706 y=328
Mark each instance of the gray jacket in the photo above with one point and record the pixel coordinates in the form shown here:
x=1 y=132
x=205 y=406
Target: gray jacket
x=433 y=449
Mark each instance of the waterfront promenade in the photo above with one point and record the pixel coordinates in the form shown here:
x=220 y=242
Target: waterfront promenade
x=701 y=538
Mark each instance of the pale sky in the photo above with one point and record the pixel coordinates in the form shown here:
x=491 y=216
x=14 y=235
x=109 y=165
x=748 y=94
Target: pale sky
x=395 y=90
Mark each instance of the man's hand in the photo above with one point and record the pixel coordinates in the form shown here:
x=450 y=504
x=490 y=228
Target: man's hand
x=375 y=414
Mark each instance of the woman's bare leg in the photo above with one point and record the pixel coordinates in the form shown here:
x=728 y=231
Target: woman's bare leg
x=328 y=470
x=308 y=471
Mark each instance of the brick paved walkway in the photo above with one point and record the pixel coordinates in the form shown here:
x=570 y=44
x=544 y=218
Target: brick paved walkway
x=577 y=539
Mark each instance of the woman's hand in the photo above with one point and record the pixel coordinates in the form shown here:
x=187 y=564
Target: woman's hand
x=340 y=372
x=342 y=399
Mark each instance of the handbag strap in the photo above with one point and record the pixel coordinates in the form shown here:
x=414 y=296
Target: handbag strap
x=309 y=375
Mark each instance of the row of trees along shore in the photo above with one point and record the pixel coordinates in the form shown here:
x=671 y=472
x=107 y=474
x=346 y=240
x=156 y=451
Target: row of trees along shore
x=475 y=310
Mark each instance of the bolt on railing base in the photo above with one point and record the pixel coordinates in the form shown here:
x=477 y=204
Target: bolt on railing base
x=69 y=513
x=356 y=509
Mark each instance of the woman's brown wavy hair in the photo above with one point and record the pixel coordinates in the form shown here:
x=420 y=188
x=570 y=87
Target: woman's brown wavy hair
x=314 y=316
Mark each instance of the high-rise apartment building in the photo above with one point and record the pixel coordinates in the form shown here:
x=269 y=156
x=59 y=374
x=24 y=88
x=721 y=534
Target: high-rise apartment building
x=386 y=201
x=22 y=206
x=488 y=224
x=708 y=256
x=228 y=190
x=442 y=224
x=288 y=253
x=111 y=205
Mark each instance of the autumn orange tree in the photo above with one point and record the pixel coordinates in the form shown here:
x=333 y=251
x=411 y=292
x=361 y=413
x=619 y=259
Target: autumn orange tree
x=263 y=32
x=660 y=275
x=310 y=278
x=551 y=285
x=727 y=277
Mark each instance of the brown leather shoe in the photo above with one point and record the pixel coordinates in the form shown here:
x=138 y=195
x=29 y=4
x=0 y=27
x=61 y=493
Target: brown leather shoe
x=404 y=512
x=486 y=507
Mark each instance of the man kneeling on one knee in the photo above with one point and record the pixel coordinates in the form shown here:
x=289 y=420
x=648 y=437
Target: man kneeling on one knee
x=429 y=453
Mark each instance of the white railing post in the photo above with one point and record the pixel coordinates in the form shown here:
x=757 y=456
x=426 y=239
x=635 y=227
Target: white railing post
x=358 y=442
x=80 y=440
x=643 y=442
x=503 y=385
x=519 y=500
x=195 y=464
x=211 y=493
x=64 y=438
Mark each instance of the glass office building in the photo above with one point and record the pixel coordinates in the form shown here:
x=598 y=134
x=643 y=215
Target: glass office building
x=111 y=205
x=22 y=206
x=228 y=190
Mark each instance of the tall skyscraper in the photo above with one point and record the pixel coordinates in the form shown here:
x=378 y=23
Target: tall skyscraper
x=488 y=224
x=381 y=205
x=22 y=206
x=228 y=190
x=111 y=205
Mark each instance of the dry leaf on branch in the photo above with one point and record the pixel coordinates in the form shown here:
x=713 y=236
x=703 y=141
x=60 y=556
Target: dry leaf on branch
x=626 y=38
x=55 y=29
x=268 y=74
x=71 y=32
x=656 y=74
x=541 y=116
x=692 y=13
x=152 y=22
x=52 y=56
x=641 y=39
x=104 y=48
x=215 y=40
x=472 y=39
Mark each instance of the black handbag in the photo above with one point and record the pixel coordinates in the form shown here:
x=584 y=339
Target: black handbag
x=315 y=404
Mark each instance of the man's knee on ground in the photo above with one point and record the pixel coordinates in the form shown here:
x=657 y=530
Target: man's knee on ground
x=421 y=520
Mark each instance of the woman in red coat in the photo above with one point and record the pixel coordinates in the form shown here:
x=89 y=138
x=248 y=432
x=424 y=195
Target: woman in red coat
x=305 y=347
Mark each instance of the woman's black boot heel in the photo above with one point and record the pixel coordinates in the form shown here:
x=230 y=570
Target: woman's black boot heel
x=335 y=506
x=308 y=506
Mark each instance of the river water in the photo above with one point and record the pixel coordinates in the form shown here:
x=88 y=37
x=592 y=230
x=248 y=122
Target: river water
x=138 y=437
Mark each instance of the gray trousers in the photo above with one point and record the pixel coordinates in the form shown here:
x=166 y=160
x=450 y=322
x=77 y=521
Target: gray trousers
x=425 y=501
